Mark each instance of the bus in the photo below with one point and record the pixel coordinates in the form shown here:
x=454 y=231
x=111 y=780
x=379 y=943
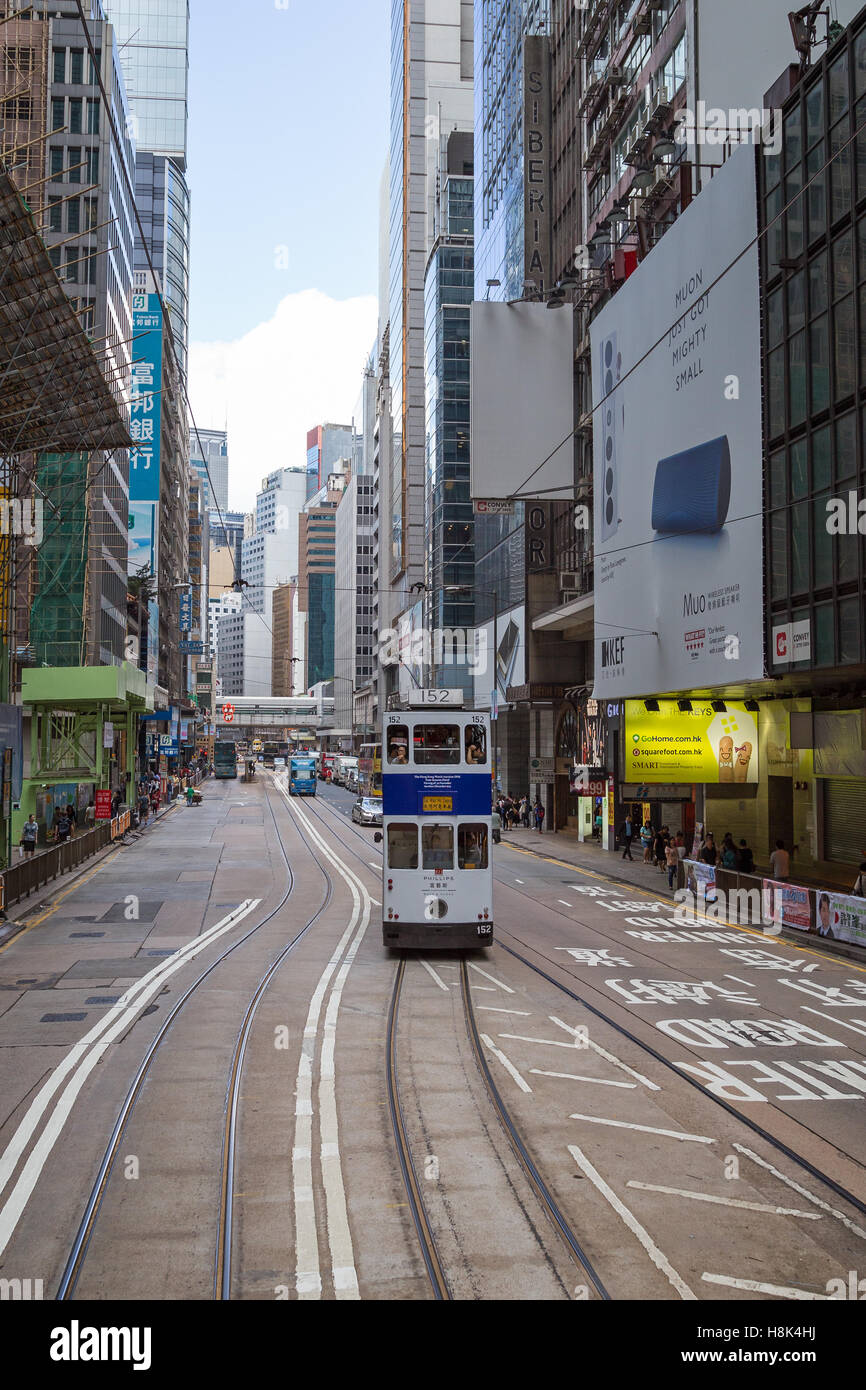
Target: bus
x=302 y=775
x=437 y=884
x=326 y=766
x=270 y=752
x=370 y=770
x=225 y=759
x=257 y=745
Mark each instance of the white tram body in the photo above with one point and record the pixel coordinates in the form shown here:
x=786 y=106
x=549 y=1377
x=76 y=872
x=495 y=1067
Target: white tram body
x=437 y=889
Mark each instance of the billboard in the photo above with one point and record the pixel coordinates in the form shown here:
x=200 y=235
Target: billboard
x=522 y=401
x=146 y=429
x=500 y=661
x=678 y=455
x=701 y=745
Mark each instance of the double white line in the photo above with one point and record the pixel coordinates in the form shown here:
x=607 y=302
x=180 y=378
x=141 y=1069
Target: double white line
x=77 y=1066
x=308 y=1275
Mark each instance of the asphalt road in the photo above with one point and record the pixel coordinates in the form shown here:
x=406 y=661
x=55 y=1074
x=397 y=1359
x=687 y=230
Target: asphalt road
x=691 y=1095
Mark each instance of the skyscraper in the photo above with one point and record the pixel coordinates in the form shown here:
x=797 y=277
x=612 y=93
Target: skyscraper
x=210 y=459
x=154 y=46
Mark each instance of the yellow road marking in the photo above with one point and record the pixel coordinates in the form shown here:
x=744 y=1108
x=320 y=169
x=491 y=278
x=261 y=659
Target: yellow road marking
x=712 y=921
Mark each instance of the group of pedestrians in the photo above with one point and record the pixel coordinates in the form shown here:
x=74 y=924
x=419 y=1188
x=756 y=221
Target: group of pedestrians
x=738 y=858
x=660 y=847
x=516 y=811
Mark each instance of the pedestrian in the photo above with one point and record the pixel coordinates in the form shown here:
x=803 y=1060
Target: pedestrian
x=597 y=826
x=29 y=835
x=681 y=844
x=780 y=862
x=143 y=808
x=709 y=854
x=73 y=817
x=527 y=812
x=646 y=839
x=539 y=816
x=660 y=850
x=859 y=889
x=496 y=826
x=64 y=827
x=626 y=835
x=745 y=859
x=90 y=816
x=729 y=852
x=672 y=860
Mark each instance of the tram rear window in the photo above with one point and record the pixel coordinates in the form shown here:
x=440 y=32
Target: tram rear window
x=398 y=744
x=437 y=846
x=472 y=846
x=437 y=743
x=402 y=846
x=476 y=743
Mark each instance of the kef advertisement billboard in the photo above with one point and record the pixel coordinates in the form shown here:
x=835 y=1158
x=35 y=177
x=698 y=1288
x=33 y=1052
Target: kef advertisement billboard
x=677 y=468
x=700 y=745
x=145 y=428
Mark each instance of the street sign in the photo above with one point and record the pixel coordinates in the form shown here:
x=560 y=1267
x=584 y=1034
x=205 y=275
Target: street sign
x=228 y=714
x=192 y=648
x=186 y=611
x=103 y=806
x=492 y=507
x=542 y=770
x=108 y=735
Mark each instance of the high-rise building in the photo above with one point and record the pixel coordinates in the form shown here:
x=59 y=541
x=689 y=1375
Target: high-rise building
x=353 y=596
x=209 y=456
x=316 y=553
x=282 y=666
x=227 y=531
x=448 y=293
x=220 y=607
x=431 y=96
x=326 y=446
x=154 y=46
x=244 y=660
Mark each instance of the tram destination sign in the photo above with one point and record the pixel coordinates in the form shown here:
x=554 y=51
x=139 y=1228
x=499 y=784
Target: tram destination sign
x=425 y=699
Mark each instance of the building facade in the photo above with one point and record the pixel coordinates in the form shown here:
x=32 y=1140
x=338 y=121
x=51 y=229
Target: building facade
x=353 y=596
x=209 y=456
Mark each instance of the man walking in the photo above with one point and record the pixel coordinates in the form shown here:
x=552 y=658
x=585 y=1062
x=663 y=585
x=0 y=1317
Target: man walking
x=539 y=816
x=29 y=835
x=627 y=835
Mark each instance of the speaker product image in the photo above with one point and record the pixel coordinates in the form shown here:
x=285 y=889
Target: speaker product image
x=610 y=375
x=692 y=490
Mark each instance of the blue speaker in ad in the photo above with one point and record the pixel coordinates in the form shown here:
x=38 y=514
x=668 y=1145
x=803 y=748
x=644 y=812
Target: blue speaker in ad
x=692 y=490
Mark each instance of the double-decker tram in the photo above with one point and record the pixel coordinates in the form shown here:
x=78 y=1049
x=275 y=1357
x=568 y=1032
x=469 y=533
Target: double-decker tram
x=436 y=825
x=225 y=759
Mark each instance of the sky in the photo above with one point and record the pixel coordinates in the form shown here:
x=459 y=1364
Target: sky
x=287 y=141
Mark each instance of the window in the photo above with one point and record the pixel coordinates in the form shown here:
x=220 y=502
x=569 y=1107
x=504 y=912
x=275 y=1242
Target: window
x=93 y=117
x=437 y=846
x=56 y=162
x=76 y=66
x=60 y=65
x=437 y=743
x=93 y=166
x=55 y=214
x=91 y=210
x=475 y=737
x=402 y=846
x=54 y=256
x=58 y=115
x=73 y=216
x=72 y=263
x=398 y=744
x=472 y=848
x=73 y=163
x=75 y=109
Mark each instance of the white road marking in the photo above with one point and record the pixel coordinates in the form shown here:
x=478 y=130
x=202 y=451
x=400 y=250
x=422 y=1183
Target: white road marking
x=608 y=1056
x=807 y=1008
x=646 y=1129
x=752 y=1286
x=308 y=1277
x=492 y=978
x=564 y=903
x=660 y=1260
x=372 y=865
x=519 y=880
x=726 y=1201
x=803 y=1191
x=79 y=1062
x=490 y=1009
x=376 y=901
x=487 y=989
x=594 y=1080
x=432 y=973
x=501 y=1057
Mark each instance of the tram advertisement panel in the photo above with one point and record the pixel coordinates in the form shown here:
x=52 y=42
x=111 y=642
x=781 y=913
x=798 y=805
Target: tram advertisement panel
x=417 y=779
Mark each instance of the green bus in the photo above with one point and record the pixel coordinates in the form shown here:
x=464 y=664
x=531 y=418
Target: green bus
x=225 y=759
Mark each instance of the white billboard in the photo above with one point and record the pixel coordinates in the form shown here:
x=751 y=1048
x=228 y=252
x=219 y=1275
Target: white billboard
x=522 y=401
x=500 y=664
x=677 y=455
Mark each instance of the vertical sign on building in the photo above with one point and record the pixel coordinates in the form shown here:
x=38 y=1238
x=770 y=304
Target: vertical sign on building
x=144 y=460
x=536 y=159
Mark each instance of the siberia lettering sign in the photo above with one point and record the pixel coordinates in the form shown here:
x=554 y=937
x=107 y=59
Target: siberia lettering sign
x=536 y=113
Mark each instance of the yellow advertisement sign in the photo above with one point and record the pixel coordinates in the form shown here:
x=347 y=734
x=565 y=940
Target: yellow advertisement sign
x=699 y=745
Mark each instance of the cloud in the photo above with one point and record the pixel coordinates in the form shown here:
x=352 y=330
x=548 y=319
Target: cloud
x=299 y=369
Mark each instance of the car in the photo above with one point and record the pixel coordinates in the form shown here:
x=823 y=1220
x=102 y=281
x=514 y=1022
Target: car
x=367 y=810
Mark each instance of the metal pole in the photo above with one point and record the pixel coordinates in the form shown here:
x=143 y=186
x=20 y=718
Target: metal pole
x=495 y=721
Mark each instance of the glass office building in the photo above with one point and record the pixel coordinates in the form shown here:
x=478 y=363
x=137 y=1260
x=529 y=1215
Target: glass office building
x=154 y=43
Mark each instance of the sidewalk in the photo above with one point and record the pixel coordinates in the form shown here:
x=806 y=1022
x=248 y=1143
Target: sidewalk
x=592 y=857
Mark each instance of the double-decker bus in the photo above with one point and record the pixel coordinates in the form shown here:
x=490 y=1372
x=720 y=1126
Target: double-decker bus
x=437 y=889
x=370 y=770
x=270 y=752
x=302 y=775
x=225 y=759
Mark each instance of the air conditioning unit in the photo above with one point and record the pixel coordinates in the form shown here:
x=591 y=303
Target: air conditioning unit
x=569 y=595
x=644 y=23
x=635 y=208
x=568 y=579
x=660 y=109
x=661 y=175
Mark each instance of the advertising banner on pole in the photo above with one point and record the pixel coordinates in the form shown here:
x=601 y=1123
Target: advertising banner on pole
x=678 y=455
x=700 y=745
x=145 y=428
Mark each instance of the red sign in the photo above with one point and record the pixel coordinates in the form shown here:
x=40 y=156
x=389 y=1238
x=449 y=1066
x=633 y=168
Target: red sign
x=103 y=805
x=228 y=714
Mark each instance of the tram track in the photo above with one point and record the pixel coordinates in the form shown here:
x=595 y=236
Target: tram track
x=223 y=1256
